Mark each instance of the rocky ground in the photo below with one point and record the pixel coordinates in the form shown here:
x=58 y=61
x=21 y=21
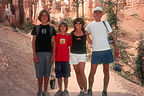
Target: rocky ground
x=17 y=75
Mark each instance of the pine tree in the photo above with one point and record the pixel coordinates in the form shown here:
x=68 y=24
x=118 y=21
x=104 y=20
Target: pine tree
x=139 y=71
x=21 y=12
x=112 y=10
x=76 y=4
x=112 y=19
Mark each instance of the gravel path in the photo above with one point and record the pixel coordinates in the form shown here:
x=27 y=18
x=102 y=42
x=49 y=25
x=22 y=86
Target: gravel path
x=17 y=75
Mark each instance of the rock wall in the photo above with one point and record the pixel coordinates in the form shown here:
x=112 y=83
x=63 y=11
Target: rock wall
x=31 y=8
x=2 y=9
x=131 y=7
x=136 y=7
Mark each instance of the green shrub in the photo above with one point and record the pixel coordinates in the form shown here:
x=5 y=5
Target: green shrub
x=29 y=25
x=69 y=21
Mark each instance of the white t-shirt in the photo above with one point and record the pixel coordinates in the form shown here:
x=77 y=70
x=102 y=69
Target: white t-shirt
x=99 y=35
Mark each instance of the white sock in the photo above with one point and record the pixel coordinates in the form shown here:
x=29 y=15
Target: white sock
x=82 y=90
x=65 y=89
x=85 y=92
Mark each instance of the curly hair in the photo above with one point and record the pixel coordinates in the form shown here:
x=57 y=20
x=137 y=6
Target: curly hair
x=79 y=20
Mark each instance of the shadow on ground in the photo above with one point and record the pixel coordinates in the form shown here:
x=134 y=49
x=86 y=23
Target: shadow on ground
x=99 y=94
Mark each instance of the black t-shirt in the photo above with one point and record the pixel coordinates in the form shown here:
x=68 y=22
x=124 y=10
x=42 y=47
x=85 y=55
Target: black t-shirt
x=78 y=43
x=43 y=38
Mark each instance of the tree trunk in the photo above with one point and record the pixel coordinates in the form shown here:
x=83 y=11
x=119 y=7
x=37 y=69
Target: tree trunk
x=35 y=7
x=12 y=7
x=82 y=8
x=90 y=9
x=77 y=8
x=21 y=12
x=30 y=10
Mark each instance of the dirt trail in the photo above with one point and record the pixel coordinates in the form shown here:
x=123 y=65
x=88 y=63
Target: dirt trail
x=17 y=75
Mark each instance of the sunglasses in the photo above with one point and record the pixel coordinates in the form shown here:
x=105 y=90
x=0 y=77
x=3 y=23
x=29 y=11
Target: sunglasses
x=78 y=23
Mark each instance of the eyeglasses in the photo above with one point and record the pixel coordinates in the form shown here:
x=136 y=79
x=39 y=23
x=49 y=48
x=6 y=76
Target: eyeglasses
x=44 y=16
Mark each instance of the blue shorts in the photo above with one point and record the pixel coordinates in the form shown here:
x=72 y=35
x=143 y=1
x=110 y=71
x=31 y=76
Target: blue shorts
x=43 y=66
x=62 y=69
x=104 y=57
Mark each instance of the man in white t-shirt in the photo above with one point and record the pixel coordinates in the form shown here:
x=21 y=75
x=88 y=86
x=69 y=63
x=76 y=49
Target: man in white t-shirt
x=101 y=49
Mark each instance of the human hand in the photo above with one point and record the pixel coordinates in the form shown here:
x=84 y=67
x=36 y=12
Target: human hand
x=116 y=54
x=35 y=59
x=143 y=59
x=52 y=59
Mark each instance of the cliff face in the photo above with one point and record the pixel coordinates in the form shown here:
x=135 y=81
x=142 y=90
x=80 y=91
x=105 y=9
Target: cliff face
x=135 y=7
x=131 y=7
x=2 y=9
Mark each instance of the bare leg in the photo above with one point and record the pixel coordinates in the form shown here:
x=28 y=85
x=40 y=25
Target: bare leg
x=65 y=82
x=82 y=76
x=46 y=80
x=78 y=76
x=40 y=81
x=60 y=83
x=106 y=75
x=91 y=75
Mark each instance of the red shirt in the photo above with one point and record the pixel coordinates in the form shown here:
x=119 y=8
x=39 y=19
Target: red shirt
x=62 y=47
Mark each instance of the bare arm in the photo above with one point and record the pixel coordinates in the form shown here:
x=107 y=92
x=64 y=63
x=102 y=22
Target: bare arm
x=88 y=37
x=35 y=58
x=116 y=54
x=53 y=49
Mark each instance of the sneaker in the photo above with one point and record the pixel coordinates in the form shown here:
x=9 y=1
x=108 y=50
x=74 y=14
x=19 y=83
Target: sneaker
x=104 y=93
x=65 y=93
x=81 y=93
x=90 y=92
x=46 y=93
x=86 y=94
x=39 y=93
x=59 y=93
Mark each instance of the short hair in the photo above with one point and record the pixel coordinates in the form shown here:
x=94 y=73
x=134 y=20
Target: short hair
x=47 y=13
x=63 y=23
x=79 y=20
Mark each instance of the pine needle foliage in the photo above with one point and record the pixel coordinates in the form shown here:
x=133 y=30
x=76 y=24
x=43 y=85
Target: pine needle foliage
x=111 y=12
x=112 y=19
x=139 y=70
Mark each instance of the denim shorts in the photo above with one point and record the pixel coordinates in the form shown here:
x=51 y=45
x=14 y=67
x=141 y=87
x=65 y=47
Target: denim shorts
x=43 y=66
x=62 y=69
x=99 y=57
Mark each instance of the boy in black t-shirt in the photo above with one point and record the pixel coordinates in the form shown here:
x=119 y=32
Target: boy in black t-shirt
x=43 y=45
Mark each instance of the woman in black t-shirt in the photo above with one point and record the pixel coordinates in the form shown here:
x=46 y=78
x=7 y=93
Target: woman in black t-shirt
x=78 y=53
x=43 y=51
